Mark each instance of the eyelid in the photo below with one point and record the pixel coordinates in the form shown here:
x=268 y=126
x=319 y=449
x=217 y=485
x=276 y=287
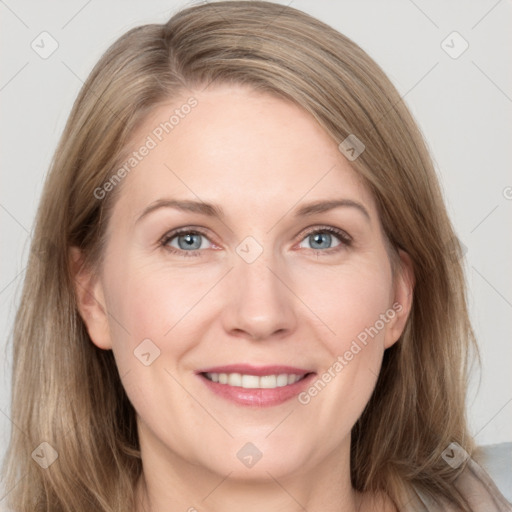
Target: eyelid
x=344 y=238
x=169 y=235
x=173 y=233
x=340 y=233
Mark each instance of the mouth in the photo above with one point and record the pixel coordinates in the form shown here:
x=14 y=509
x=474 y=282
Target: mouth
x=247 y=381
x=256 y=386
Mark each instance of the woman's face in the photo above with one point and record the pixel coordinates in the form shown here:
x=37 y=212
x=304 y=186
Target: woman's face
x=280 y=274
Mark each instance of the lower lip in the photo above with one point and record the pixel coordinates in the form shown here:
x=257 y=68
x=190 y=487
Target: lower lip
x=258 y=397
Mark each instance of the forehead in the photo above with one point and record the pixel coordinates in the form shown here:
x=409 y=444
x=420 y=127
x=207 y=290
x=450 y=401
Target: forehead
x=233 y=145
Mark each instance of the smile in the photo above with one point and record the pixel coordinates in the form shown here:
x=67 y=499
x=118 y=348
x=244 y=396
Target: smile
x=254 y=381
x=247 y=385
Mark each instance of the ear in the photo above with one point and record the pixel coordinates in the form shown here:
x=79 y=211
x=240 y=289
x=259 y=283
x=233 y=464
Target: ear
x=90 y=300
x=402 y=300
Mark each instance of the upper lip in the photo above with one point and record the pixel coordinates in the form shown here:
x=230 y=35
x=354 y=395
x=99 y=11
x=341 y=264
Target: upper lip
x=248 y=369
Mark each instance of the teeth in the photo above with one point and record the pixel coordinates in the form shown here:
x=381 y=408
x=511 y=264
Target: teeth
x=253 y=381
x=282 y=380
x=268 y=381
x=234 y=379
x=291 y=379
x=250 y=381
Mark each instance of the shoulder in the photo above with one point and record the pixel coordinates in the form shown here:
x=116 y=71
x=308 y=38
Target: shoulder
x=478 y=488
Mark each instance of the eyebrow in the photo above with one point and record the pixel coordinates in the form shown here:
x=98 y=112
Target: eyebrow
x=212 y=210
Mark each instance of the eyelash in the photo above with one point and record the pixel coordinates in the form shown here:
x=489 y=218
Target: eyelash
x=345 y=240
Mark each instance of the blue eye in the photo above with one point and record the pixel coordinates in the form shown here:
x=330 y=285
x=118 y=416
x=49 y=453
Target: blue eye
x=190 y=242
x=321 y=239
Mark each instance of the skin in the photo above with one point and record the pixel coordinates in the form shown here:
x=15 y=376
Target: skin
x=259 y=158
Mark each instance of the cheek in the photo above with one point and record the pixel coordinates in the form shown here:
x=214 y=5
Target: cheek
x=165 y=306
x=355 y=303
x=350 y=301
x=152 y=317
x=149 y=301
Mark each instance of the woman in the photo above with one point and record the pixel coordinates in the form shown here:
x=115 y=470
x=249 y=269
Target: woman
x=187 y=341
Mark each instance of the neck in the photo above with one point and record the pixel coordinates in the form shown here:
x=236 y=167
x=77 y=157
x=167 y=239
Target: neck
x=171 y=483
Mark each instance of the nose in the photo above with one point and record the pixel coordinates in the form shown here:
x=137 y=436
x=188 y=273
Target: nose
x=259 y=304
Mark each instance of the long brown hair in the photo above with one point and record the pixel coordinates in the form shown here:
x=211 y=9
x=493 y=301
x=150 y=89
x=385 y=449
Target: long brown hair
x=68 y=393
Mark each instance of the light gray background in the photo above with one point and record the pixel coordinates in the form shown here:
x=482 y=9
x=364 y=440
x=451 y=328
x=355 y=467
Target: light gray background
x=463 y=106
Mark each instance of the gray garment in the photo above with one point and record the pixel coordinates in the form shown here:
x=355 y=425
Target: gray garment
x=473 y=483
